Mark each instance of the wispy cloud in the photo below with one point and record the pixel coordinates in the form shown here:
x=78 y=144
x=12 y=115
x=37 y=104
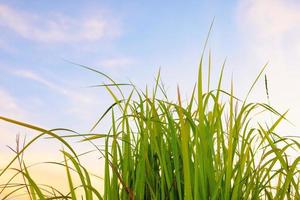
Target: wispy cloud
x=118 y=62
x=8 y=104
x=58 y=27
x=34 y=76
x=9 y=107
x=82 y=102
x=4 y=45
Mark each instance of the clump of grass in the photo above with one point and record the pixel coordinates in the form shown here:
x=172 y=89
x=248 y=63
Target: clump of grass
x=202 y=148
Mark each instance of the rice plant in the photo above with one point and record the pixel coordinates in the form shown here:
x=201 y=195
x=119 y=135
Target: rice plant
x=210 y=146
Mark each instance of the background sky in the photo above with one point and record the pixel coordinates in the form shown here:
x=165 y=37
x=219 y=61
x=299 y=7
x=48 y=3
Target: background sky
x=131 y=40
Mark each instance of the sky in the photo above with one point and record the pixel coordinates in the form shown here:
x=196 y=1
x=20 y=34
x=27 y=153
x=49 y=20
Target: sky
x=131 y=41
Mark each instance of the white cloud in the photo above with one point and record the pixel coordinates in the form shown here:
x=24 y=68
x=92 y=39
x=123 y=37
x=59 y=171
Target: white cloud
x=57 y=28
x=270 y=29
x=270 y=18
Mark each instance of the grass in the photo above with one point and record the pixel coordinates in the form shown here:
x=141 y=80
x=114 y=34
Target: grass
x=201 y=148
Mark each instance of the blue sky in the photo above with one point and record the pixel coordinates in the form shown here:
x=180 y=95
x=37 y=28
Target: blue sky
x=128 y=40
x=131 y=40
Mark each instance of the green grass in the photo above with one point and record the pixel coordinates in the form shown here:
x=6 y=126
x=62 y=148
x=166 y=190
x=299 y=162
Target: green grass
x=209 y=146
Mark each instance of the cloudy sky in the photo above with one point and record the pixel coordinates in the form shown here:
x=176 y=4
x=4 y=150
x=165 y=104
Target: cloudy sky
x=130 y=41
